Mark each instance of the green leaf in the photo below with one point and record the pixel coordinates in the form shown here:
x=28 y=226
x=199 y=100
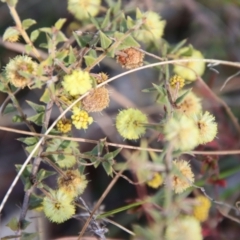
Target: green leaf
x=10 y=237
x=106 y=20
x=71 y=57
x=28 y=48
x=38 y=108
x=3 y=87
x=130 y=23
x=30 y=148
x=10 y=32
x=77 y=38
x=105 y=41
x=26 y=175
x=13 y=224
x=60 y=37
x=9 y=108
x=108 y=168
x=27 y=23
x=46 y=30
x=94 y=21
x=178 y=46
x=35 y=201
x=58 y=25
x=111 y=155
x=181 y=98
x=42 y=174
x=89 y=60
x=117 y=7
x=34 y=35
x=121 y=209
x=28 y=236
x=17 y=119
x=139 y=14
x=37 y=118
x=25 y=224
x=28 y=140
x=46 y=97
x=127 y=42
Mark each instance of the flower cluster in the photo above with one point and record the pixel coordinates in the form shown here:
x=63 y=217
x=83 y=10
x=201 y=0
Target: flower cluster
x=58 y=206
x=191 y=69
x=77 y=83
x=177 y=82
x=64 y=126
x=130 y=123
x=81 y=119
x=17 y=70
x=185 y=227
x=201 y=209
x=81 y=8
x=182 y=177
x=72 y=183
x=152 y=28
x=156 y=181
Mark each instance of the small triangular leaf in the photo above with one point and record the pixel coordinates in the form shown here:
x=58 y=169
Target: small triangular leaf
x=58 y=25
x=34 y=35
x=89 y=60
x=27 y=23
x=105 y=41
x=13 y=224
x=37 y=107
x=37 y=118
x=9 y=108
x=10 y=32
x=106 y=20
x=28 y=140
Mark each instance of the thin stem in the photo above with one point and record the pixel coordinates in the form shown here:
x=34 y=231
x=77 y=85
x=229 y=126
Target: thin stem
x=24 y=34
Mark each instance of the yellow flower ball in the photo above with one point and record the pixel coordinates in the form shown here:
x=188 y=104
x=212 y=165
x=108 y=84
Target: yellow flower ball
x=72 y=183
x=182 y=133
x=190 y=105
x=182 y=177
x=81 y=8
x=64 y=126
x=190 y=70
x=184 y=228
x=156 y=181
x=152 y=28
x=207 y=127
x=130 y=122
x=201 y=209
x=20 y=64
x=58 y=206
x=77 y=83
x=177 y=82
x=81 y=119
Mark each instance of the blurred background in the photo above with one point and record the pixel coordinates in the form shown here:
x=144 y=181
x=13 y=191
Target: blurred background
x=213 y=27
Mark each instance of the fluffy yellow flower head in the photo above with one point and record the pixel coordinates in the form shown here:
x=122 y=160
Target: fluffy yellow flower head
x=156 y=181
x=190 y=105
x=64 y=126
x=81 y=8
x=77 y=83
x=182 y=177
x=182 y=132
x=201 y=209
x=58 y=206
x=187 y=228
x=20 y=64
x=207 y=127
x=81 y=119
x=191 y=69
x=72 y=183
x=130 y=122
x=152 y=28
